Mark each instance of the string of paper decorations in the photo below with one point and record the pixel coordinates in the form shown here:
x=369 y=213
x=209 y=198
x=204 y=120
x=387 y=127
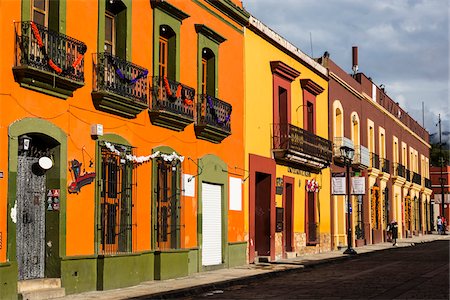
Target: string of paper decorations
x=144 y=158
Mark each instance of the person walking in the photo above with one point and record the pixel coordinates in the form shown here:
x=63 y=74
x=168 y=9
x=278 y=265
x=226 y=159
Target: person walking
x=439 y=224
x=394 y=232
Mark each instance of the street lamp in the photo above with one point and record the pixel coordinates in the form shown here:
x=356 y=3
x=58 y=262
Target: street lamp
x=347 y=153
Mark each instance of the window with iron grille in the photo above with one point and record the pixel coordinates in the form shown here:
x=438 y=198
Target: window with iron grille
x=117 y=182
x=359 y=227
x=167 y=227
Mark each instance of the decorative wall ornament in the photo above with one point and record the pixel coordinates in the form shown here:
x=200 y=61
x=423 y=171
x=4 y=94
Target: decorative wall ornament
x=80 y=179
x=312 y=186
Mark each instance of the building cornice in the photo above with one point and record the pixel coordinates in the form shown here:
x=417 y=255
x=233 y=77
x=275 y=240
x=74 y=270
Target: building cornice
x=345 y=85
x=362 y=95
x=230 y=9
x=268 y=34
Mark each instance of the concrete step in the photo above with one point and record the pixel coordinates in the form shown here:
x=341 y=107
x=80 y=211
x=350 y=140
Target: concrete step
x=42 y=294
x=38 y=284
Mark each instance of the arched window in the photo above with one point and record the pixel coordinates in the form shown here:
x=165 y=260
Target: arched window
x=355 y=129
x=208 y=72
x=338 y=123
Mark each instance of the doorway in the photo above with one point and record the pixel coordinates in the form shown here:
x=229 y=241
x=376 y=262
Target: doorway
x=262 y=214
x=38 y=202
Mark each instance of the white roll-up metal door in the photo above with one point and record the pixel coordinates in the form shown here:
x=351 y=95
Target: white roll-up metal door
x=212 y=224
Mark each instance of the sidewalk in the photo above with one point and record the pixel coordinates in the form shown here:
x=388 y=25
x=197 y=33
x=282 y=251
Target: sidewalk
x=207 y=281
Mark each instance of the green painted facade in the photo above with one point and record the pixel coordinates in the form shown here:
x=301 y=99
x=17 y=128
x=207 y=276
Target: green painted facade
x=171 y=264
x=124 y=270
x=8 y=281
x=79 y=274
x=237 y=254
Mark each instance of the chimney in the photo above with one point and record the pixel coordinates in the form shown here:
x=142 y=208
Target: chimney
x=355 y=59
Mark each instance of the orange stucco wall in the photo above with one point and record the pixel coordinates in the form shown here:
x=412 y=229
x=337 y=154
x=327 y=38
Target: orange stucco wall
x=76 y=114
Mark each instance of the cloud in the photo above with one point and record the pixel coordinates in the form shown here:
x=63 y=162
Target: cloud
x=403 y=44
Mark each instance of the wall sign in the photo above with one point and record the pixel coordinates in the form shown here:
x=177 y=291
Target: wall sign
x=338 y=184
x=358 y=186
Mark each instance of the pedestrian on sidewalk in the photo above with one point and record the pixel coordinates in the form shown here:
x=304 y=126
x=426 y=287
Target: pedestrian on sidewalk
x=389 y=232
x=394 y=232
x=444 y=224
x=439 y=224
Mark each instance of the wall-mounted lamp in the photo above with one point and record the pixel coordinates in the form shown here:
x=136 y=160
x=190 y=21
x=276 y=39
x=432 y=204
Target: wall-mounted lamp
x=25 y=142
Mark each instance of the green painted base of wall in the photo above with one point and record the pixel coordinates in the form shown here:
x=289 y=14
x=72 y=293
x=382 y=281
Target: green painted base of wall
x=237 y=254
x=8 y=281
x=79 y=274
x=171 y=264
x=121 y=271
x=193 y=261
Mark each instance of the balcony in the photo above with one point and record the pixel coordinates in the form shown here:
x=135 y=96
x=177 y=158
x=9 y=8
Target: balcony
x=172 y=104
x=408 y=175
x=374 y=160
x=399 y=170
x=339 y=142
x=417 y=178
x=385 y=165
x=362 y=157
x=428 y=183
x=299 y=148
x=120 y=87
x=213 y=119
x=47 y=61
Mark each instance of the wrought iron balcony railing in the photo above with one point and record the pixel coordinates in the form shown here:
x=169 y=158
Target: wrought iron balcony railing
x=408 y=175
x=48 y=59
x=400 y=170
x=375 y=160
x=362 y=157
x=213 y=118
x=298 y=146
x=385 y=165
x=417 y=178
x=428 y=183
x=172 y=103
x=121 y=77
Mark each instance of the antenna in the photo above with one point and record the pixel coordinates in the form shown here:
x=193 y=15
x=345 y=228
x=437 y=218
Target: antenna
x=310 y=42
x=423 y=115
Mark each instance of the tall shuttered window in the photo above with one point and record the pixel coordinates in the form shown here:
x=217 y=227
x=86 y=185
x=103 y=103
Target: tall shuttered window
x=167 y=205
x=116 y=202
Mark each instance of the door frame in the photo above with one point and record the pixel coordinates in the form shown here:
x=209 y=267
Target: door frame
x=30 y=126
x=260 y=164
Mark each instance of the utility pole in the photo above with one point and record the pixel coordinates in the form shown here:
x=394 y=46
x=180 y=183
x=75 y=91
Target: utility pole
x=441 y=179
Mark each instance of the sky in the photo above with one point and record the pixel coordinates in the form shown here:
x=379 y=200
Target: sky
x=403 y=44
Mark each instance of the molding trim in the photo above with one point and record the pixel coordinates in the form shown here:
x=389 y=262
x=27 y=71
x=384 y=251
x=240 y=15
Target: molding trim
x=209 y=33
x=311 y=86
x=283 y=70
x=169 y=9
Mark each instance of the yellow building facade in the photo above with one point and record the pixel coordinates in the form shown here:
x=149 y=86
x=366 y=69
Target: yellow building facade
x=287 y=151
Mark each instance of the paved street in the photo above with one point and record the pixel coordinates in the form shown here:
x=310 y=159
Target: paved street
x=419 y=272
